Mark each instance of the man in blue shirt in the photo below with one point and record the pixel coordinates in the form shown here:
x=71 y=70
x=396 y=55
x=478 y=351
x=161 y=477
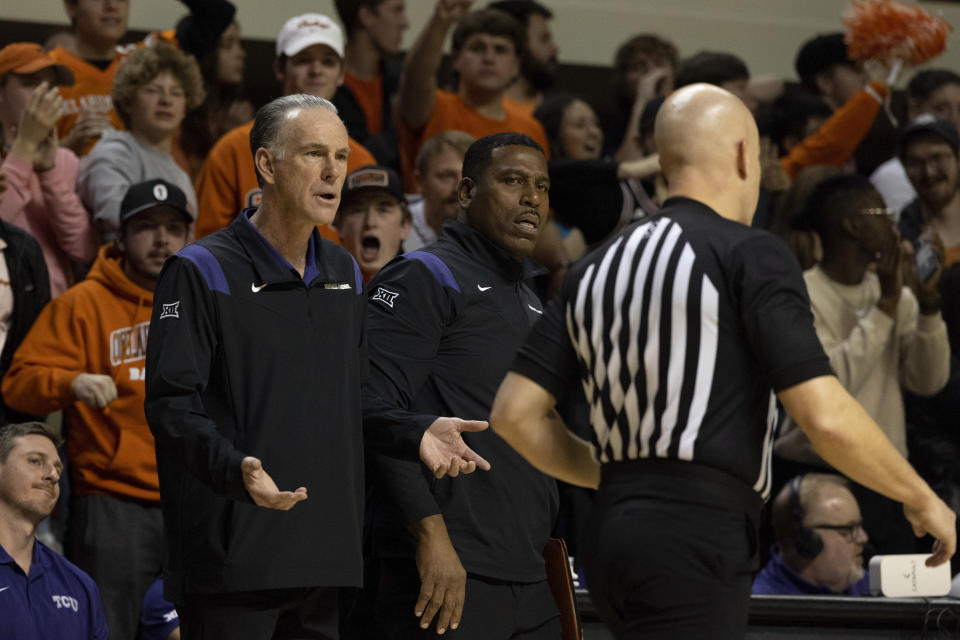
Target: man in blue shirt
x=820 y=538
x=158 y=617
x=42 y=595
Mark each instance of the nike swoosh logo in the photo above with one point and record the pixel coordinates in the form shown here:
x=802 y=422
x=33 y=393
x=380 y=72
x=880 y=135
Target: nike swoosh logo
x=535 y=309
x=255 y=288
x=3 y=588
x=483 y=288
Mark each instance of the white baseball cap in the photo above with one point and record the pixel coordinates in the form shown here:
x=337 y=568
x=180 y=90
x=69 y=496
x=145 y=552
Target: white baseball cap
x=299 y=32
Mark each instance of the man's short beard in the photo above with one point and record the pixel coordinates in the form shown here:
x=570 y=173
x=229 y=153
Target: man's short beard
x=936 y=203
x=27 y=510
x=539 y=75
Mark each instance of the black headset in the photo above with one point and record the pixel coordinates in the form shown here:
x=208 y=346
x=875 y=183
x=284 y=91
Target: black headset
x=806 y=541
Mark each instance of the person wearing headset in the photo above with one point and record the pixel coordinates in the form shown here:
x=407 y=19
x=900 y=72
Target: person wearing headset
x=819 y=540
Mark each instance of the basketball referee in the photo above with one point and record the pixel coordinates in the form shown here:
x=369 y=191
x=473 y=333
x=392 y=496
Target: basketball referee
x=678 y=329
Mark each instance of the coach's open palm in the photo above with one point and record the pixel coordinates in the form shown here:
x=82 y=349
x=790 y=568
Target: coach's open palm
x=263 y=489
x=445 y=452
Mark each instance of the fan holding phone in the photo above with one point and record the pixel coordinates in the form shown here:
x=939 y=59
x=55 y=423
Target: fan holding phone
x=929 y=152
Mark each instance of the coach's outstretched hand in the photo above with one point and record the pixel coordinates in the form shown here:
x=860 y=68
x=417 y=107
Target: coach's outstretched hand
x=263 y=489
x=444 y=451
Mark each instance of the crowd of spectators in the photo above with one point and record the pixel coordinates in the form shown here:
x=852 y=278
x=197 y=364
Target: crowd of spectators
x=116 y=155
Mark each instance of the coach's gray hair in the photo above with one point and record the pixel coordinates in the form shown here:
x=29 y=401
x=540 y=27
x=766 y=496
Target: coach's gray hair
x=268 y=123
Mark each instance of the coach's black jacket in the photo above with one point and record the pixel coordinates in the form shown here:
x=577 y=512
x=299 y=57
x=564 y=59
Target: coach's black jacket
x=444 y=325
x=244 y=358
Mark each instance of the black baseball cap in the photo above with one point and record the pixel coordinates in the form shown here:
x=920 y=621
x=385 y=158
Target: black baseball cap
x=927 y=123
x=153 y=193
x=372 y=176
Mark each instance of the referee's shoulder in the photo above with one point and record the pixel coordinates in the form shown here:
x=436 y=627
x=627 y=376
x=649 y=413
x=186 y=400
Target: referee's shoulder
x=731 y=233
x=754 y=238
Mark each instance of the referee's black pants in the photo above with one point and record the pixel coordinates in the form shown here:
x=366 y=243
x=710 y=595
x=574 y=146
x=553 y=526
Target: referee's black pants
x=658 y=566
x=276 y=614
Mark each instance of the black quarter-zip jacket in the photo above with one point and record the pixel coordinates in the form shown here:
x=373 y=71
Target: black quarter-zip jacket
x=245 y=357
x=444 y=325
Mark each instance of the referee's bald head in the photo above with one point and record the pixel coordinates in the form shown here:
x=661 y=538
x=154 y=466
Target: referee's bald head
x=710 y=150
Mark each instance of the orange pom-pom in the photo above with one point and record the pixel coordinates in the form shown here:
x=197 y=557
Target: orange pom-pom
x=886 y=30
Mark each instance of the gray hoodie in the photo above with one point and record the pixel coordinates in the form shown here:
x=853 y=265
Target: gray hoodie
x=115 y=163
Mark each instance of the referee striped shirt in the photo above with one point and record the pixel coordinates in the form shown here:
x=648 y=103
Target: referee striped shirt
x=679 y=328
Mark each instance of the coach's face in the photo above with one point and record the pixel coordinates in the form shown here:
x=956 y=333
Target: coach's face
x=308 y=163
x=509 y=204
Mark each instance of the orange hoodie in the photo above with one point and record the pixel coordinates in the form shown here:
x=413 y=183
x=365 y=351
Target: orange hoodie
x=98 y=326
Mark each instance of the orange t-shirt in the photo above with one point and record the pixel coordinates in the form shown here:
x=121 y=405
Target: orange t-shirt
x=92 y=88
x=527 y=107
x=369 y=93
x=451 y=112
x=228 y=183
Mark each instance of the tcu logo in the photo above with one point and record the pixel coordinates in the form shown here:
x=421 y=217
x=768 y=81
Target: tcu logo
x=66 y=602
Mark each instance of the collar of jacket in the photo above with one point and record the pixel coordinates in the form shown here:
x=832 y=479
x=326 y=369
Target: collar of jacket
x=270 y=266
x=476 y=244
